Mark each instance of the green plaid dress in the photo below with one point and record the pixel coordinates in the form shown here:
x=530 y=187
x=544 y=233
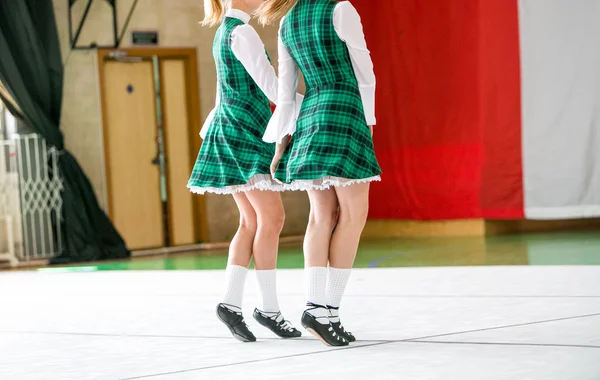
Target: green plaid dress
x=332 y=145
x=233 y=157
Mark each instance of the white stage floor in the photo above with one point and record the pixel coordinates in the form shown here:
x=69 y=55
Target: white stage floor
x=476 y=323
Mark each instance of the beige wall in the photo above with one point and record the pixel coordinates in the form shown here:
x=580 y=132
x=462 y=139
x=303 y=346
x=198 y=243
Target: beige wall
x=177 y=23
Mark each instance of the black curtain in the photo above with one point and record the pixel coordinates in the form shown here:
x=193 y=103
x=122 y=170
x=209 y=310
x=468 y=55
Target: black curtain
x=31 y=70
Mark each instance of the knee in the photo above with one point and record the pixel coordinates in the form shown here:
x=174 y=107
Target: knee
x=354 y=216
x=273 y=220
x=248 y=223
x=325 y=219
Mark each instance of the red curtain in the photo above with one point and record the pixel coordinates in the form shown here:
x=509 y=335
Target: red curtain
x=500 y=104
x=436 y=126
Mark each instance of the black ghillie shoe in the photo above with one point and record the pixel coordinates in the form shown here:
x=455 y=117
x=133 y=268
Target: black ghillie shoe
x=324 y=332
x=281 y=327
x=337 y=326
x=235 y=322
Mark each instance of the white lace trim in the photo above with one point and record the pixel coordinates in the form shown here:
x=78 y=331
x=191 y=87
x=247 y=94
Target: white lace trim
x=325 y=183
x=262 y=182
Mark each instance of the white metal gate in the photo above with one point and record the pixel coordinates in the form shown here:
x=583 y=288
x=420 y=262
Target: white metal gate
x=30 y=200
x=10 y=236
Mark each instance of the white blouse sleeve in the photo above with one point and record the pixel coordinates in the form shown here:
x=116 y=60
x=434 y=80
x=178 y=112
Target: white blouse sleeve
x=210 y=116
x=348 y=27
x=283 y=122
x=249 y=49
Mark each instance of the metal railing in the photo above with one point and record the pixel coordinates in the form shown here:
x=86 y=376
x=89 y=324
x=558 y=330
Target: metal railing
x=30 y=200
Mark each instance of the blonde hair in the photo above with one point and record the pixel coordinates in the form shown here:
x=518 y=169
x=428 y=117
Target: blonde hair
x=273 y=10
x=213 y=12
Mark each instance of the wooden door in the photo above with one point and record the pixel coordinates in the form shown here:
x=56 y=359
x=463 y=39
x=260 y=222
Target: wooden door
x=178 y=151
x=130 y=145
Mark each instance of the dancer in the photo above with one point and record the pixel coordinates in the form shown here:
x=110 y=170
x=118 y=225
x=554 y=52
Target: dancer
x=234 y=160
x=330 y=153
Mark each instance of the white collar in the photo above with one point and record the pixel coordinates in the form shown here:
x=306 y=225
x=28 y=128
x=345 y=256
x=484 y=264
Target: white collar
x=236 y=13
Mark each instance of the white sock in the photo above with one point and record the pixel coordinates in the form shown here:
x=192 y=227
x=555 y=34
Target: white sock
x=316 y=283
x=336 y=285
x=267 y=282
x=234 y=291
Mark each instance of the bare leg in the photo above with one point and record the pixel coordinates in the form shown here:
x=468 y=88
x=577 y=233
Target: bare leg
x=354 y=207
x=240 y=250
x=270 y=217
x=321 y=221
x=240 y=253
x=323 y=214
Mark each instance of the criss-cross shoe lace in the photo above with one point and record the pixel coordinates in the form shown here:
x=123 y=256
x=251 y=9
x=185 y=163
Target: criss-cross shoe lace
x=277 y=324
x=235 y=323
x=337 y=326
x=324 y=332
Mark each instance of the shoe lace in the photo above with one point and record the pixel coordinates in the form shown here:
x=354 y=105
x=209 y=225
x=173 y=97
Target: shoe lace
x=341 y=327
x=240 y=318
x=283 y=324
x=242 y=321
x=313 y=306
x=333 y=333
x=286 y=325
x=345 y=331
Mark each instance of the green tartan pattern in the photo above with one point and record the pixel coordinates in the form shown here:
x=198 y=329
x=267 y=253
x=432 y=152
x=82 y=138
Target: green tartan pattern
x=332 y=137
x=233 y=151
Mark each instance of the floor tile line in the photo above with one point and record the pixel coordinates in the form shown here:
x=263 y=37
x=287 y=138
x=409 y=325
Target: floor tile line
x=380 y=343
x=505 y=344
x=464 y=296
x=256 y=361
x=108 y=335
x=503 y=327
